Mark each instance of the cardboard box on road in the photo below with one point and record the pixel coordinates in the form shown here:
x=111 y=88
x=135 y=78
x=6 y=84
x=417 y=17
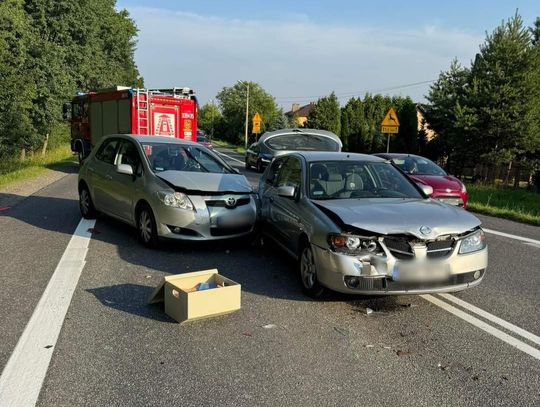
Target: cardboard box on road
x=184 y=304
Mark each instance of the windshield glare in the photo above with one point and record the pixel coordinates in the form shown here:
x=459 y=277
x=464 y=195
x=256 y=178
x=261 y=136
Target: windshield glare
x=418 y=166
x=358 y=179
x=302 y=142
x=177 y=157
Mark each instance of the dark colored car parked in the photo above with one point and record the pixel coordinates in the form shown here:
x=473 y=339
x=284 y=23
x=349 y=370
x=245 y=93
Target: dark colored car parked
x=278 y=142
x=446 y=188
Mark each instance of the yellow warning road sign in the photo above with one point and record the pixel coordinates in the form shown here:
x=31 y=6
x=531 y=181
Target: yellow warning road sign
x=256 y=123
x=390 y=123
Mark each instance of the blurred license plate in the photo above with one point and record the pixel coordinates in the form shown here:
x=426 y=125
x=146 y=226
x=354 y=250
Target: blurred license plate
x=420 y=272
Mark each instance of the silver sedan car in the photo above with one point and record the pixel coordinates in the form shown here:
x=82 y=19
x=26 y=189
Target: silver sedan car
x=167 y=188
x=357 y=225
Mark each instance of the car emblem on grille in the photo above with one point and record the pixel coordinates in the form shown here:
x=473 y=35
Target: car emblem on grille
x=448 y=190
x=425 y=230
x=230 y=202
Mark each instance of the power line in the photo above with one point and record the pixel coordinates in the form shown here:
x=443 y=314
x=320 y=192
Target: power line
x=346 y=94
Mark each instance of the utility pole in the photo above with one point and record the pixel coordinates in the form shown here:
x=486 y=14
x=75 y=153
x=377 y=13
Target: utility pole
x=247 y=117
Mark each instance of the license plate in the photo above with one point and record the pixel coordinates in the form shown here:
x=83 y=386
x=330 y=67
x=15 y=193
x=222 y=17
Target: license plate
x=450 y=201
x=420 y=272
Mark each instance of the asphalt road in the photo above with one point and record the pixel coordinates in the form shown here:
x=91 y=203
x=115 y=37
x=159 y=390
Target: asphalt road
x=116 y=350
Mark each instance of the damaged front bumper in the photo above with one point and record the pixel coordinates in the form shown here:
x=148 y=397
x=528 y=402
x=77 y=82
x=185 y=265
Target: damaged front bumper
x=375 y=274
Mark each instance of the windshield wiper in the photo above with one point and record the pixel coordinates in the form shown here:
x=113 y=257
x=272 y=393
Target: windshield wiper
x=194 y=159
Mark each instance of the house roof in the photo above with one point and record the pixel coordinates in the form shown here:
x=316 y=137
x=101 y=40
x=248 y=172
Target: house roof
x=302 y=111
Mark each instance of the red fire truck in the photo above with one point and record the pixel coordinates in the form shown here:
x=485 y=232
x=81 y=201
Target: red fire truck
x=125 y=110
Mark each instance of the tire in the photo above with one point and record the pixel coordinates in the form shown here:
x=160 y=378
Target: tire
x=259 y=166
x=86 y=206
x=146 y=227
x=307 y=273
x=80 y=156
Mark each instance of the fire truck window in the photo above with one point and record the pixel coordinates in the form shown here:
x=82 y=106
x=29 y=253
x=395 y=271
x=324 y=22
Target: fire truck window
x=128 y=154
x=107 y=151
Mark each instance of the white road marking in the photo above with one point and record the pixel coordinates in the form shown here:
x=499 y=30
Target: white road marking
x=533 y=245
x=23 y=375
x=503 y=336
x=484 y=314
x=516 y=237
x=228 y=156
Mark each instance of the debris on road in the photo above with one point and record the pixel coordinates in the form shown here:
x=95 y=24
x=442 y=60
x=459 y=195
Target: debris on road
x=369 y=311
x=269 y=326
x=442 y=367
x=403 y=353
x=184 y=300
x=247 y=334
x=48 y=346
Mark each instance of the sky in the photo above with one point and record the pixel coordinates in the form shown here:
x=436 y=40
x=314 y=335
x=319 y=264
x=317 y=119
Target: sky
x=301 y=50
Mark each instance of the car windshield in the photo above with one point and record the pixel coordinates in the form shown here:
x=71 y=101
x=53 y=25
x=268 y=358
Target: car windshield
x=358 y=179
x=301 y=142
x=178 y=157
x=418 y=166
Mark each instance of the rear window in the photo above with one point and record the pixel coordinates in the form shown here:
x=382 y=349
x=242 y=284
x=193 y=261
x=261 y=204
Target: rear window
x=418 y=166
x=302 y=142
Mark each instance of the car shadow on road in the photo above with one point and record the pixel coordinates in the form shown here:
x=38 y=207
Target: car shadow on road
x=130 y=298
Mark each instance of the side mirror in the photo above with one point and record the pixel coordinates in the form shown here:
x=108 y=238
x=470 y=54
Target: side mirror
x=125 y=169
x=426 y=189
x=286 y=191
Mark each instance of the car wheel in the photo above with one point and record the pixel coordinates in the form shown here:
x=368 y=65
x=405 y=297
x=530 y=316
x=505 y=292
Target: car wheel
x=86 y=206
x=146 y=227
x=259 y=166
x=80 y=156
x=308 y=273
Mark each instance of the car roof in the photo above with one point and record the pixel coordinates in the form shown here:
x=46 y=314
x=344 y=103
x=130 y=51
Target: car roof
x=312 y=156
x=397 y=155
x=152 y=139
x=281 y=132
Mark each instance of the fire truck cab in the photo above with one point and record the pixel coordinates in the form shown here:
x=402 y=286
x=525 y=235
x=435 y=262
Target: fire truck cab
x=126 y=110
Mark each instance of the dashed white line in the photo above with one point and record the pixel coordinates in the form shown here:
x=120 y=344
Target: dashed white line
x=490 y=317
x=503 y=336
x=23 y=375
x=515 y=237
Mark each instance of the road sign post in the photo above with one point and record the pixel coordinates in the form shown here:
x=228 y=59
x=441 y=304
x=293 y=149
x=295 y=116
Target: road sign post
x=256 y=123
x=390 y=125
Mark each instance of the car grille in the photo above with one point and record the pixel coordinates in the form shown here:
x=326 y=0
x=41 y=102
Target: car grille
x=401 y=249
x=221 y=203
x=440 y=248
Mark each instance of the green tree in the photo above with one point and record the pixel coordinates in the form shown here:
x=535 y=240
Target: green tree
x=16 y=89
x=326 y=115
x=209 y=118
x=232 y=103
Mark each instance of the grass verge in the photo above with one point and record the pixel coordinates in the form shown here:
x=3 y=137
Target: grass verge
x=225 y=144
x=16 y=170
x=510 y=203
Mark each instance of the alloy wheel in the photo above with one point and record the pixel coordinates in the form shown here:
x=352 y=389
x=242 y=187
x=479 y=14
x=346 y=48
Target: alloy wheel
x=307 y=269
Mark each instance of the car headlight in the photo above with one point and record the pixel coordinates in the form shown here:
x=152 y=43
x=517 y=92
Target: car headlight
x=351 y=244
x=175 y=199
x=473 y=243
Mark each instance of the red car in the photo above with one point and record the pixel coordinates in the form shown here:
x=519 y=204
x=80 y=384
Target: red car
x=203 y=139
x=446 y=188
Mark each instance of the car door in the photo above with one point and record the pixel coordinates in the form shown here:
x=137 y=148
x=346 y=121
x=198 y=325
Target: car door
x=125 y=188
x=283 y=210
x=100 y=171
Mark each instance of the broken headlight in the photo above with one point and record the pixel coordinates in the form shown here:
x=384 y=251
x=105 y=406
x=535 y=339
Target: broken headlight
x=352 y=244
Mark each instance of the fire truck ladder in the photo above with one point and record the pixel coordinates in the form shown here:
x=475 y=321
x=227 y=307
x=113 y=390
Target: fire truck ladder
x=143 y=118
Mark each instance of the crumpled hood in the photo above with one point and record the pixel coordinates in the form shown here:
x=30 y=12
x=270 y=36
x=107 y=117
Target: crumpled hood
x=206 y=182
x=398 y=216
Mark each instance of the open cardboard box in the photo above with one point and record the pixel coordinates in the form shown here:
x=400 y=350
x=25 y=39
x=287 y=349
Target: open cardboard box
x=183 y=304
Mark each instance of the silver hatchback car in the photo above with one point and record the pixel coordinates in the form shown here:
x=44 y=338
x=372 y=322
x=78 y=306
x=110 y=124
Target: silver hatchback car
x=358 y=225
x=167 y=188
